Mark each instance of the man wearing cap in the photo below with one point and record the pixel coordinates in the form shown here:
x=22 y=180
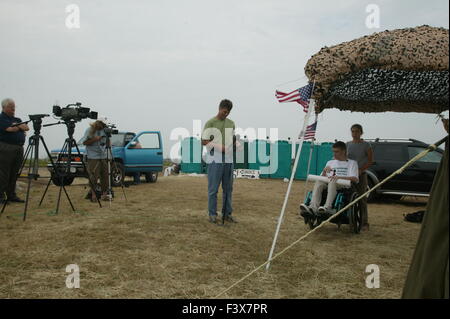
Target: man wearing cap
x=95 y=140
x=12 y=138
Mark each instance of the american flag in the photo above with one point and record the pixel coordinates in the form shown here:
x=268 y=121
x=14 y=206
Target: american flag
x=311 y=131
x=301 y=96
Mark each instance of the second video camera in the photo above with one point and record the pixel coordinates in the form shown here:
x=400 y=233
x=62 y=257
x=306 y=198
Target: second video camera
x=74 y=112
x=111 y=129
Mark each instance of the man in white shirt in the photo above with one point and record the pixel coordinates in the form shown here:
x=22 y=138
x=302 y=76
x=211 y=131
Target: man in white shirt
x=338 y=168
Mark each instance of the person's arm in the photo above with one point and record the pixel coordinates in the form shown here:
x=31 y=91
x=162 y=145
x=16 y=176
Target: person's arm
x=207 y=141
x=209 y=144
x=24 y=127
x=18 y=128
x=87 y=140
x=12 y=129
x=326 y=170
x=92 y=140
x=353 y=175
x=369 y=161
x=5 y=126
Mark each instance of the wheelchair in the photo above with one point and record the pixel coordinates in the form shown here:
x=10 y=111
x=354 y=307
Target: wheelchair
x=351 y=216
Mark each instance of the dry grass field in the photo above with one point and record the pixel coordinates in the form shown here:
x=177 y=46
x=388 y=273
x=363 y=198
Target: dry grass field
x=159 y=244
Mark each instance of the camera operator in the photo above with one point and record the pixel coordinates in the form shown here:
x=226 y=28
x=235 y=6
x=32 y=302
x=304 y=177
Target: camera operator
x=95 y=141
x=12 y=139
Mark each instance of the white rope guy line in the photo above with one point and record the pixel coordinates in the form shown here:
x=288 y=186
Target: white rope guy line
x=399 y=171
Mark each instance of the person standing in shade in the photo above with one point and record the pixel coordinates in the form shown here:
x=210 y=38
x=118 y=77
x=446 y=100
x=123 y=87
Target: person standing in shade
x=218 y=137
x=12 y=138
x=361 y=151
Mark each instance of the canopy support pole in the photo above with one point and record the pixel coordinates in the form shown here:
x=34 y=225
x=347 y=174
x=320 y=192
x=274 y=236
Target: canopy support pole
x=294 y=169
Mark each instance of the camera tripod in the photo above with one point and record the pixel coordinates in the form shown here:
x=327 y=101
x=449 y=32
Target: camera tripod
x=110 y=159
x=61 y=173
x=32 y=156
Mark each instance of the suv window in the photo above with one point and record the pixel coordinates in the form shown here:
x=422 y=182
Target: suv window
x=149 y=140
x=431 y=157
x=388 y=152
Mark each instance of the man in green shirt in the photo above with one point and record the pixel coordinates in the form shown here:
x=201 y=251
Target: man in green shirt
x=218 y=137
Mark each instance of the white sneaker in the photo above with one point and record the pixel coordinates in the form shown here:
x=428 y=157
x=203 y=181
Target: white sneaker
x=330 y=211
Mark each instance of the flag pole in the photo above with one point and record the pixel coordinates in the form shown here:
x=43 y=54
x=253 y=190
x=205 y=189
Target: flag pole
x=309 y=161
x=294 y=169
x=309 y=165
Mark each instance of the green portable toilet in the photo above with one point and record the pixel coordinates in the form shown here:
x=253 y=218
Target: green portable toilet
x=255 y=161
x=240 y=157
x=324 y=155
x=302 y=166
x=191 y=155
x=284 y=152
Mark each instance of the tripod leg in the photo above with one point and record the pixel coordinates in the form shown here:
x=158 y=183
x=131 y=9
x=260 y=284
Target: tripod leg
x=121 y=183
x=59 y=199
x=25 y=156
x=32 y=169
x=55 y=168
x=45 y=192
x=66 y=148
x=68 y=198
x=27 y=199
x=109 y=183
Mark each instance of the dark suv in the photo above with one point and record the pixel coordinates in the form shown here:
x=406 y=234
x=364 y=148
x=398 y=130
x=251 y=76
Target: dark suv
x=389 y=156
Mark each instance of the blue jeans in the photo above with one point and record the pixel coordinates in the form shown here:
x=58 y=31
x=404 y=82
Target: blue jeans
x=220 y=173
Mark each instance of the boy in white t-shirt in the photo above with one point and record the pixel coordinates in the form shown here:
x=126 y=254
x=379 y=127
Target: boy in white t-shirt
x=338 y=168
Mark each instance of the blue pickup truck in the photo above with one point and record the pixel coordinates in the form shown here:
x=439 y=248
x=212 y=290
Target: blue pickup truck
x=132 y=153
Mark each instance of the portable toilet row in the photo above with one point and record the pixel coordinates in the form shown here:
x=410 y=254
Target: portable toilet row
x=274 y=159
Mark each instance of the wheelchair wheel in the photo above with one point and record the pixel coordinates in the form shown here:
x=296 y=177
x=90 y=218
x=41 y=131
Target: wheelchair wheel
x=355 y=215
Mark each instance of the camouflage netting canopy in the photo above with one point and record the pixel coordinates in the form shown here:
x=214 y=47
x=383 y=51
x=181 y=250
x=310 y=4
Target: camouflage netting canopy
x=404 y=70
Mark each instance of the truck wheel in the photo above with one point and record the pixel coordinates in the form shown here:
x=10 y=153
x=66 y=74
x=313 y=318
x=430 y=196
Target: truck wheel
x=117 y=174
x=151 y=177
x=66 y=181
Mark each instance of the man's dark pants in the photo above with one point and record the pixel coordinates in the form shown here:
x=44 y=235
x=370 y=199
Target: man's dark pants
x=11 y=157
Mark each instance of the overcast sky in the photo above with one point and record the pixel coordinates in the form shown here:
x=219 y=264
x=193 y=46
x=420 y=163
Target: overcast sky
x=159 y=65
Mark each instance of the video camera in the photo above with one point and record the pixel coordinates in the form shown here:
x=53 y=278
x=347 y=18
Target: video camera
x=37 y=117
x=74 y=112
x=111 y=129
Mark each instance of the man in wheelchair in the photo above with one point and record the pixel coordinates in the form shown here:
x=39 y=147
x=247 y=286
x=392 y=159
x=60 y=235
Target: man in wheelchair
x=339 y=168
